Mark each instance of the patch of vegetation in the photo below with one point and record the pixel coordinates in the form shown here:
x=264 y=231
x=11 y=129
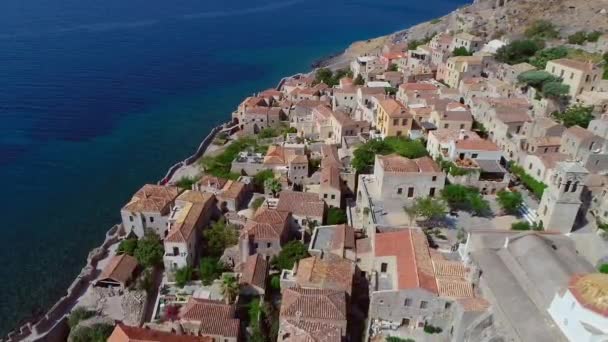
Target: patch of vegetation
x=431 y=209
x=398 y=339
x=605 y=57
x=461 y=51
x=541 y=57
x=393 y=67
x=603 y=268
x=575 y=115
x=324 y=75
x=465 y=198
x=390 y=91
x=451 y=168
x=580 y=37
x=95 y=333
x=209 y=269
x=230 y=288
x=336 y=216
x=219 y=165
x=430 y=329
x=364 y=155
x=435 y=21
x=257 y=203
x=542 y=29
x=218 y=237
x=510 y=201
x=261 y=177
x=127 y=246
x=518 y=51
x=415 y=43
x=524 y=225
x=272 y=186
x=186 y=182
x=149 y=251
x=290 y=253
x=79 y=314
x=529 y=182
x=545 y=83
x=255 y=312
x=183 y=276
x=480 y=129
x=359 y=80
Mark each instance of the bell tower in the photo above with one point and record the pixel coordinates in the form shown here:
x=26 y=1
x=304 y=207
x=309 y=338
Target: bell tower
x=562 y=198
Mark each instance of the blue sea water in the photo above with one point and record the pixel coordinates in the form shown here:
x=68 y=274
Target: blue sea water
x=99 y=97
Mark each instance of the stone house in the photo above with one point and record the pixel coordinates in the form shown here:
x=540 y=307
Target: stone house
x=125 y=333
x=579 y=76
x=345 y=98
x=254 y=275
x=541 y=166
x=148 y=210
x=192 y=212
x=439 y=141
x=337 y=240
x=458 y=68
x=330 y=312
x=304 y=208
x=410 y=93
x=599 y=126
x=393 y=119
x=543 y=145
x=395 y=78
x=291 y=162
x=343 y=125
x=543 y=127
x=330 y=187
x=331 y=273
x=257 y=118
x=584 y=146
x=455 y=116
x=119 y=272
x=367 y=66
x=509 y=73
x=264 y=234
x=232 y=196
x=468 y=41
x=203 y=317
x=410 y=287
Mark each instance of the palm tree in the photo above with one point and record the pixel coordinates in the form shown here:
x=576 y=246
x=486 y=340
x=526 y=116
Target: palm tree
x=230 y=288
x=273 y=186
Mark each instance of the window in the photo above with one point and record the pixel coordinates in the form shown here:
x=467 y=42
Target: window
x=324 y=195
x=395 y=122
x=268 y=244
x=404 y=122
x=407 y=302
x=383 y=267
x=447 y=305
x=131 y=218
x=572 y=75
x=151 y=219
x=175 y=251
x=410 y=192
x=405 y=322
x=423 y=304
x=399 y=191
x=474 y=155
x=333 y=196
x=446 y=125
x=432 y=192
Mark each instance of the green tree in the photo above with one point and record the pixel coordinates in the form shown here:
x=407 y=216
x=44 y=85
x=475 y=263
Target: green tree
x=95 y=333
x=209 y=269
x=540 y=58
x=461 y=51
x=542 y=29
x=261 y=177
x=593 y=36
x=230 y=288
x=336 y=216
x=478 y=205
x=575 y=115
x=145 y=281
x=393 y=67
x=430 y=208
x=603 y=268
x=186 y=182
x=359 y=80
x=127 y=246
x=273 y=186
x=518 y=51
x=390 y=91
x=289 y=254
x=460 y=197
x=412 y=213
x=220 y=236
x=578 y=38
x=324 y=75
x=268 y=133
x=257 y=202
x=555 y=90
x=183 y=276
x=536 y=78
x=510 y=201
x=275 y=282
x=520 y=225
x=79 y=314
x=149 y=250
x=365 y=154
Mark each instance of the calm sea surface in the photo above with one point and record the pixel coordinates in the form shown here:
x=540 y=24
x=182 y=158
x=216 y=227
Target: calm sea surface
x=99 y=97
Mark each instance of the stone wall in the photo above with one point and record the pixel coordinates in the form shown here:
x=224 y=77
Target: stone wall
x=52 y=326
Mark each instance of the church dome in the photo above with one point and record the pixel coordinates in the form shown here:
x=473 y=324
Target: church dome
x=591 y=291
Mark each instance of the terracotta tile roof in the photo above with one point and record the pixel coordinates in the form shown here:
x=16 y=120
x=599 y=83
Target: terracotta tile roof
x=579 y=132
x=512 y=114
x=323 y=112
x=281 y=155
x=301 y=204
x=574 y=64
x=232 y=190
x=591 y=291
x=124 y=333
x=343 y=238
x=294 y=330
x=343 y=118
x=550 y=160
x=394 y=109
x=212 y=181
x=255 y=101
x=454 y=288
x=153 y=198
x=267 y=224
x=418 y=87
x=372 y=91
x=329 y=273
x=197 y=205
x=396 y=163
x=119 y=269
x=307 y=103
x=330 y=156
x=476 y=145
x=414 y=265
x=547 y=141
x=330 y=176
x=314 y=304
x=271 y=93
x=458 y=115
x=255 y=271
x=214 y=317
x=474 y=304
